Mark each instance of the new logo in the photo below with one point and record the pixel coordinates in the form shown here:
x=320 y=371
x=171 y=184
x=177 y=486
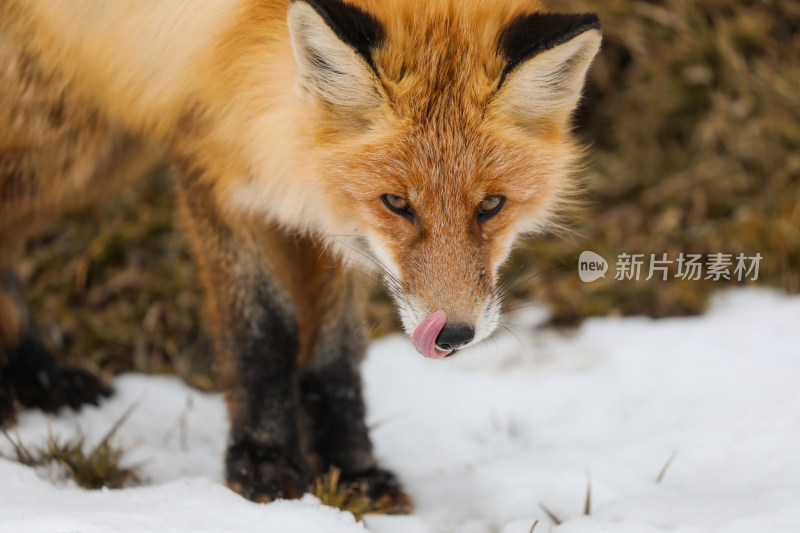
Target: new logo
x=591 y=266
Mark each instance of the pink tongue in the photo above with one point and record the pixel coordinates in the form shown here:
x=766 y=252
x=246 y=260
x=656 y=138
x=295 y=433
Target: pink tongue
x=425 y=335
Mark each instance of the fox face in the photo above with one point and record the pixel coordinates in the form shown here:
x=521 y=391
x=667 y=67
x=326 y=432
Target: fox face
x=442 y=133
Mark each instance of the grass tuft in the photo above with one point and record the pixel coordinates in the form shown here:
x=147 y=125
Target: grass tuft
x=99 y=468
x=330 y=490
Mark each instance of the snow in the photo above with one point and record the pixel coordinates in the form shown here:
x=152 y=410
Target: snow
x=483 y=441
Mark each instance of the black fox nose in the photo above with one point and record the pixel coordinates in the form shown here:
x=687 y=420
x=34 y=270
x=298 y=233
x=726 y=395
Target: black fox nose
x=454 y=337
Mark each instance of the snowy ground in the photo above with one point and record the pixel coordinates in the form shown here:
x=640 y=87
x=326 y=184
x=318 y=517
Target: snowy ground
x=482 y=442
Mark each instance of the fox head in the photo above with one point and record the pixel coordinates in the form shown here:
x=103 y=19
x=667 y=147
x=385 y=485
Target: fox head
x=443 y=133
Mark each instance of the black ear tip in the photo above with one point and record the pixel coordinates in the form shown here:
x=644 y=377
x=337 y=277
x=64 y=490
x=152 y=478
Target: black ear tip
x=354 y=26
x=534 y=33
x=592 y=21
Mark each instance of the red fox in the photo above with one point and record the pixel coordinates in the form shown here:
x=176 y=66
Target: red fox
x=307 y=137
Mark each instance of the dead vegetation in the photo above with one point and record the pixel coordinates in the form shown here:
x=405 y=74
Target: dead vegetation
x=61 y=460
x=693 y=115
x=331 y=491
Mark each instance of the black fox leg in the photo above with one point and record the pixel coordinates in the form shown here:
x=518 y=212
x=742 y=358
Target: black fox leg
x=257 y=344
x=264 y=458
x=7 y=413
x=29 y=372
x=332 y=395
x=9 y=327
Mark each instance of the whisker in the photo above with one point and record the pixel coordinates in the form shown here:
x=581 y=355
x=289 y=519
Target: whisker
x=501 y=296
x=392 y=282
x=524 y=349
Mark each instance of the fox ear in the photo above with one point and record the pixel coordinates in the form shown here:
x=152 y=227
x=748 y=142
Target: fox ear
x=547 y=57
x=333 y=43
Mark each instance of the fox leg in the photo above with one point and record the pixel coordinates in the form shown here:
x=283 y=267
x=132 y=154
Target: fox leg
x=331 y=385
x=8 y=328
x=27 y=370
x=7 y=413
x=256 y=340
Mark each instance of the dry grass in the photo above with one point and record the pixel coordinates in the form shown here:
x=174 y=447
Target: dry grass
x=693 y=113
x=116 y=286
x=98 y=468
x=332 y=492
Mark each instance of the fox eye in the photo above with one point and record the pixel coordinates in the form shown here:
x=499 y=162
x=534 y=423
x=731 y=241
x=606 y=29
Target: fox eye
x=490 y=206
x=397 y=204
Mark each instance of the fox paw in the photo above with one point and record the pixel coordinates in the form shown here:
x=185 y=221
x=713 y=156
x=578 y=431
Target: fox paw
x=383 y=487
x=58 y=386
x=264 y=474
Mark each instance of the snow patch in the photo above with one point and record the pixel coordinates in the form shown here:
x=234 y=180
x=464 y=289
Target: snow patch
x=483 y=441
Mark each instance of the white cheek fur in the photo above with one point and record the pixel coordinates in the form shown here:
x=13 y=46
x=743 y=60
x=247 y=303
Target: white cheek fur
x=409 y=310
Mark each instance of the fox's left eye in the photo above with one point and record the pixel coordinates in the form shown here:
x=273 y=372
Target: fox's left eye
x=397 y=204
x=490 y=206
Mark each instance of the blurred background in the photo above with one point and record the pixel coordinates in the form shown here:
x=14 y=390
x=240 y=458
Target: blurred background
x=692 y=113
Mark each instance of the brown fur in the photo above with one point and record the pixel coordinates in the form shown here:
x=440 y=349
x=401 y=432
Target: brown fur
x=9 y=322
x=58 y=153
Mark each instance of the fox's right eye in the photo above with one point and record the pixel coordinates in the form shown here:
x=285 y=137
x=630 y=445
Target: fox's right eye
x=397 y=204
